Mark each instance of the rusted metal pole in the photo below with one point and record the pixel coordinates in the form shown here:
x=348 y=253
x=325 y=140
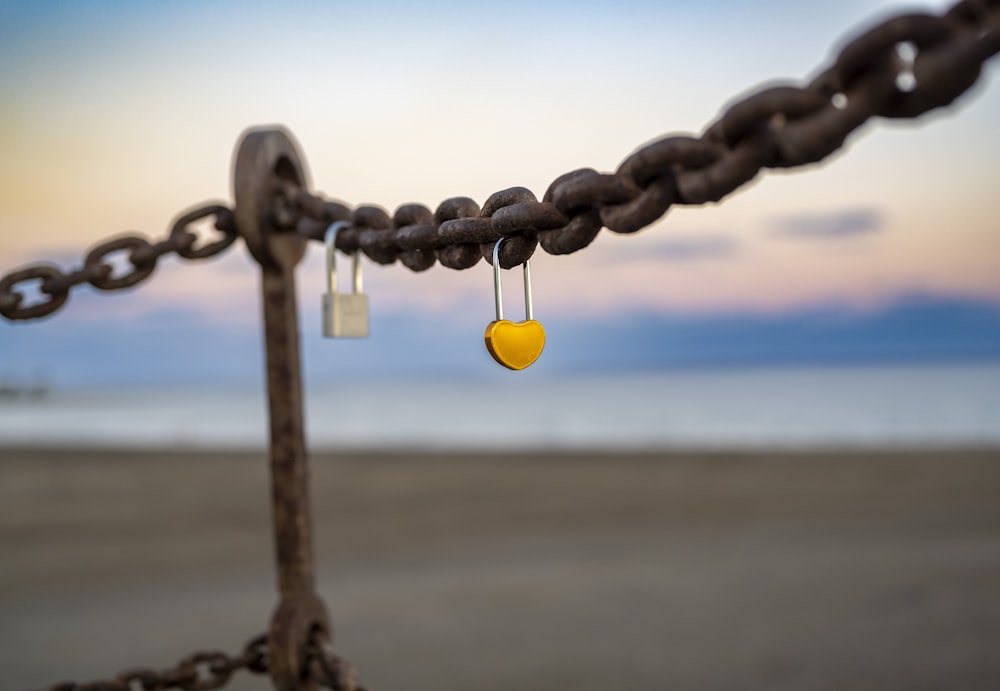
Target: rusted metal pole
x=265 y=158
x=289 y=463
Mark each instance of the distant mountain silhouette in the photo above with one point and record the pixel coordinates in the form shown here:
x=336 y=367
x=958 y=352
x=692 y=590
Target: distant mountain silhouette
x=178 y=348
x=914 y=328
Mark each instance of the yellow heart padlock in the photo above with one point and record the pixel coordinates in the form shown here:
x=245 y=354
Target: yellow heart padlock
x=515 y=346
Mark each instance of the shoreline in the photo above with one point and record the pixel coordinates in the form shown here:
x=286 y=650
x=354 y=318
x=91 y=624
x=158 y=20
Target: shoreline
x=47 y=450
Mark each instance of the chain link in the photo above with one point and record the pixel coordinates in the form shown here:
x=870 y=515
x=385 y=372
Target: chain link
x=207 y=670
x=200 y=671
x=327 y=669
x=777 y=127
x=97 y=269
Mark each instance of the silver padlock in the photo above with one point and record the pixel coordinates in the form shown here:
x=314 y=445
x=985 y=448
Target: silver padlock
x=345 y=315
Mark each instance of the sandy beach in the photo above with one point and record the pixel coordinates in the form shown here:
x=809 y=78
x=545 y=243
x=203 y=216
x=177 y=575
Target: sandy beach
x=529 y=571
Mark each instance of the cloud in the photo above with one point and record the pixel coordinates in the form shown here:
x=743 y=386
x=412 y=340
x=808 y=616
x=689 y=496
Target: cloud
x=677 y=248
x=837 y=224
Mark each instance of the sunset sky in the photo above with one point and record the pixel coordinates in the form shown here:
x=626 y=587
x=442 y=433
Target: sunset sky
x=119 y=115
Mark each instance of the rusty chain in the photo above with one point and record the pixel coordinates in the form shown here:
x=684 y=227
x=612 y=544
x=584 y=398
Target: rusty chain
x=97 y=270
x=207 y=670
x=200 y=671
x=777 y=127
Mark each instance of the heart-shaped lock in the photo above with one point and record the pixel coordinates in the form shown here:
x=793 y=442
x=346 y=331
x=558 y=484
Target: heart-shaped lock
x=515 y=346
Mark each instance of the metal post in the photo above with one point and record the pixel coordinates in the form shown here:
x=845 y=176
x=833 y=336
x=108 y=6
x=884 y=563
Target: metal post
x=289 y=463
x=264 y=158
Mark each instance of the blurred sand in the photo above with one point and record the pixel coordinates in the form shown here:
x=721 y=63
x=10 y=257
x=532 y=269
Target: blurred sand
x=468 y=572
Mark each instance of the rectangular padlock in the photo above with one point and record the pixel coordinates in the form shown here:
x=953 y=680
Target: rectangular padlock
x=345 y=315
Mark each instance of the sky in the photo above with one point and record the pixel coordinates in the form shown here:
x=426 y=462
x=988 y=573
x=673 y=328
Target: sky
x=118 y=116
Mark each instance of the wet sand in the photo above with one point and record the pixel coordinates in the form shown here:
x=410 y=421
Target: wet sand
x=529 y=571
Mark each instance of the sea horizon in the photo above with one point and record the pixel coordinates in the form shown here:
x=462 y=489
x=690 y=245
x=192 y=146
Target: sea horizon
x=800 y=407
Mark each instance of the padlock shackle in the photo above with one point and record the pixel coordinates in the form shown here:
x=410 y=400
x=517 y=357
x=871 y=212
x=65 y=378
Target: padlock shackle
x=331 y=259
x=498 y=288
x=356 y=272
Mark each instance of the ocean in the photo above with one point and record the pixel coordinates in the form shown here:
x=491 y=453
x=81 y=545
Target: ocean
x=836 y=407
